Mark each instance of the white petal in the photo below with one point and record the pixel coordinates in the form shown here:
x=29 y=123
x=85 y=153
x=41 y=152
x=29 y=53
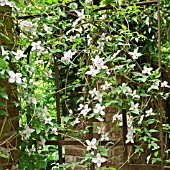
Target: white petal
x=11 y=73
x=11 y=80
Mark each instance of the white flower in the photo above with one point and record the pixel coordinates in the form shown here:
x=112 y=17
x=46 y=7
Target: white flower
x=100 y=129
x=27 y=132
x=45 y=110
x=135 y=54
x=36 y=46
x=98 y=160
x=49 y=74
x=6 y=2
x=41 y=142
x=76 y=121
x=97 y=60
x=47 y=29
x=19 y=54
x=80 y=14
x=32 y=100
x=148 y=158
x=68 y=56
x=85 y=110
x=99 y=63
x=92 y=71
x=29 y=27
x=81 y=106
x=134 y=107
x=106 y=86
x=99 y=109
x=54 y=130
x=99 y=118
x=104 y=136
x=115 y=54
x=88 y=2
x=91 y=144
x=15 y=77
x=134 y=95
x=165 y=84
x=129 y=121
x=147 y=70
x=149 y=112
x=127 y=91
x=141 y=119
x=118 y=117
x=3 y=51
x=129 y=135
x=48 y=120
x=98 y=96
x=93 y=92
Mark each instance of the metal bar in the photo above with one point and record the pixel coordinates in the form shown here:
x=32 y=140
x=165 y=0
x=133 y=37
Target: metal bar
x=160 y=100
x=100 y=9
x=125 y=154
x=72 y=142
x=126 y=5
x=58 y=107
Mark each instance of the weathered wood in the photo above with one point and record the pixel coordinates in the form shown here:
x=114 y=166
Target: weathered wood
x=146 y=167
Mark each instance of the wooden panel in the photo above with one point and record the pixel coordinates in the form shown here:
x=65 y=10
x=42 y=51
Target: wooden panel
x=146 y=167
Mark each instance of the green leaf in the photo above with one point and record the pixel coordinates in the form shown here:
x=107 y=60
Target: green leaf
x=3 y=64
x=3 y=156
x=6 y=37
x=153 y=87
x=153 y=130
x=3 y=113
x=4 y=95
x=156 y=153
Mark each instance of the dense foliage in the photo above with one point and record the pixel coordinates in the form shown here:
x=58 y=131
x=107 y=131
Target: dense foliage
x=105 y=58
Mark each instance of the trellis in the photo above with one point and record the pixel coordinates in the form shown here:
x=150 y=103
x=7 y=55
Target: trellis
x=60 y=142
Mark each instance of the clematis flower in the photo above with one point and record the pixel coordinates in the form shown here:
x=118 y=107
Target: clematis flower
x=91 y=144
x=84 y=109
x=118 y=117
x=141 y=119
x=147 y=70
x=99 y=118
x=36 y=46
x=100 y=129
x=98 y=160
x=41 y=142
x=68 y=55
x=165 y=84
x=15 y=77
x=149 y=112
x=54 y=130
x=99 y=109
x=134 y=107
x=27 y=132
x=19 y=54
x=92 y=71
x=48 y=120
x=115 y=54
x=135 y=54
x=106 y=86
x=6 y=2
x=130 y=135
x=29 y=27
x=104 y=137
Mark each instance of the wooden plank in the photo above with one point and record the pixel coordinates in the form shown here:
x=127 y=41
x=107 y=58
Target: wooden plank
x=146 y=167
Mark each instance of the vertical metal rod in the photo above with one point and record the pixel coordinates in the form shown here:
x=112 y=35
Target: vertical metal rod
x=160 y=100
x=58 y=108
x=125 y=154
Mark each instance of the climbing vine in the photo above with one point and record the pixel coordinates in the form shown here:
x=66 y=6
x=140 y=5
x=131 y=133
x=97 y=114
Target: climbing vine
x=106 y=58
